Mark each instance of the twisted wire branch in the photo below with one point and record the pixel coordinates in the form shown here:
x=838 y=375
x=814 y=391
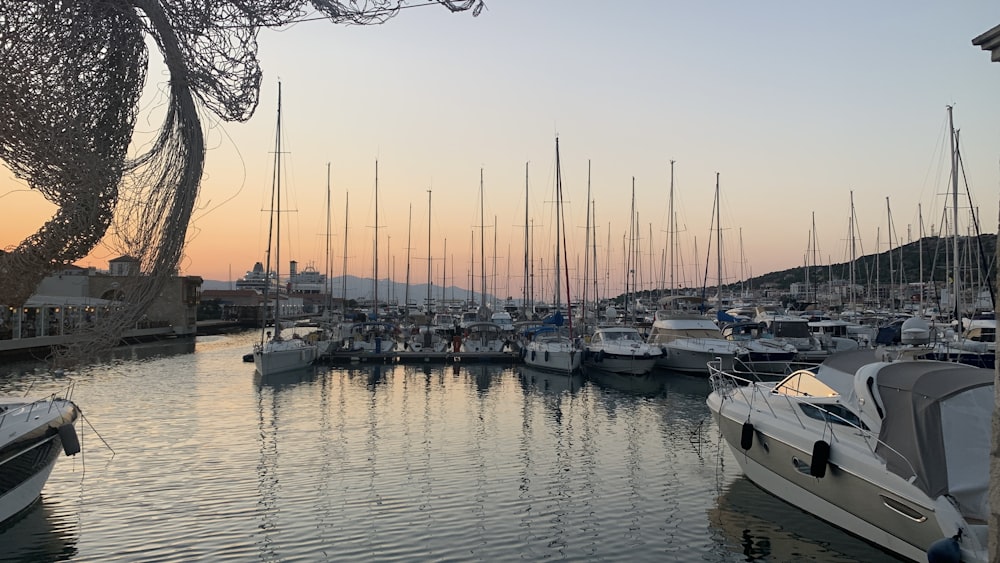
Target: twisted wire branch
x=73 y=71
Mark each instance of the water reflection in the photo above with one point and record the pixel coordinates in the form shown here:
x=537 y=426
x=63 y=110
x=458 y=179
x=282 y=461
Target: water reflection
x=648 y=385
x=41 y=534
x=549 y=382
x=765 y=528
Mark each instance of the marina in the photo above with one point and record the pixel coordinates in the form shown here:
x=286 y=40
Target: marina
x=458 y=462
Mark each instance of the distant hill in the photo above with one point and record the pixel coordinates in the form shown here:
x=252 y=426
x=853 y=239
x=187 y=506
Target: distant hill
x=876 y=267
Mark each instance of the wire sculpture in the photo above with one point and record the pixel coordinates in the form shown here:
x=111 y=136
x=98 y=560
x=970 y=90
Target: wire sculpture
x=73 y=74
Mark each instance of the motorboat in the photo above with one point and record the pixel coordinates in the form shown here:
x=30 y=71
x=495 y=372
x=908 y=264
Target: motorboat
x=794 y=330
x=620 y=349
x=552 y=349
x=890 y=447
x=759 y=355
x=689 y=342
x=33 y=434
x=975 y=345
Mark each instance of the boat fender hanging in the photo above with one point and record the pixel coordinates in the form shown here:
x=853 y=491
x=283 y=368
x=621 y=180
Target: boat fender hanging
x=532 y=354
x=70 y=441
x=945 y=550
x=524 y=352
x=546 y=355
x=746 y=436
x=600 y=356
x=820 y=457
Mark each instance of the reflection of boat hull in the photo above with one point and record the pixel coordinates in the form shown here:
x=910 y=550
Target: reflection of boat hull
x=765 y=528
x=646 y=384
x=34 y=440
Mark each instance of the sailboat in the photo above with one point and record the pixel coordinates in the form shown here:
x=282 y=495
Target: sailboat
x=275 y=354
x=552 y=346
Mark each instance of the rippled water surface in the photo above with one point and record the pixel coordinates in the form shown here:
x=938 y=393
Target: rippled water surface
x=396 y=463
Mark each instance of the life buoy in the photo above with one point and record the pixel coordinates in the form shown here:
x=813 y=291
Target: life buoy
x=820 y=457
x=746 y=436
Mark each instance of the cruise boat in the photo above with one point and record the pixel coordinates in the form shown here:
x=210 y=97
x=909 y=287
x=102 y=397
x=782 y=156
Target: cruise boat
x=689 y=342
x=620 y=349
x=33 y=434
x=892 y=449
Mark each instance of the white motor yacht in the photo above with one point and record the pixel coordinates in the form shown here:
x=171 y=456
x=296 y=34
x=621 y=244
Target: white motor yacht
x=689 y=342
x=552 y=349
x=33 y=434
x=620 y=349
x=896 y=452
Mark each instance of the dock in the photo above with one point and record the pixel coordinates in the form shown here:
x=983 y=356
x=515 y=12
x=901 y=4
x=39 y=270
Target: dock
x=399 y=357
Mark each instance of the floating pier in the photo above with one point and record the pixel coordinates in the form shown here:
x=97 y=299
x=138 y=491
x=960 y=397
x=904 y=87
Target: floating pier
x=339 y=357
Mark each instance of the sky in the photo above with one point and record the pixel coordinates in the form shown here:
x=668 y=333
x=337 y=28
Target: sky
x=796 y=106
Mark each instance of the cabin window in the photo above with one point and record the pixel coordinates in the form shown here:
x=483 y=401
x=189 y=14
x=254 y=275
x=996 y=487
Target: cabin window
x=835 y=414
x=803 y=383
x=790 y=330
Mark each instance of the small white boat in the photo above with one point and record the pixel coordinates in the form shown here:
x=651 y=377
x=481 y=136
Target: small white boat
x=896 y=452
x=277 y=354
x=33 y=434
x=552 y=349
x=689 y=342
x=620 y=349
x=483 y=336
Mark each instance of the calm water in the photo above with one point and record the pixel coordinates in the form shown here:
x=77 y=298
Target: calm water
x=396 y=463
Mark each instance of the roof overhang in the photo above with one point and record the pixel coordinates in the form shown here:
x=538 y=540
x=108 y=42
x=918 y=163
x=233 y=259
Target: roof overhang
x=990 y=41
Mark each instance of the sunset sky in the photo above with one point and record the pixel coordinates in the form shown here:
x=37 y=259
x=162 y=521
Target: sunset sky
x=794 y=104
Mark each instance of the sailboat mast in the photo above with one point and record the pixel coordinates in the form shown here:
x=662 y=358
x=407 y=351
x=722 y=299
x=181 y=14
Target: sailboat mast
x=525 y=288
x=892 y=299
x=277 y=230
x=954 y=203
x=343 y=275
x=430 y=279
x=329 y=272
x=375 y=274
x=718 y=247
x=482 y=241
x=406 y=293
x=558 y=192
x=586 y=252
x=671 y=227
x=854 y=254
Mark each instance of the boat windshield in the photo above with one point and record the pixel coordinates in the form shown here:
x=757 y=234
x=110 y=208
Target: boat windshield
x=803 y=383
x=790 y=329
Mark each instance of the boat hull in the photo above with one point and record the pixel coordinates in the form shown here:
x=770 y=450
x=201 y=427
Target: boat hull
x=553 y=358
x=692 y=361
x=621 y=363
x=877 y=512
x=30 y=454
x=280 y=361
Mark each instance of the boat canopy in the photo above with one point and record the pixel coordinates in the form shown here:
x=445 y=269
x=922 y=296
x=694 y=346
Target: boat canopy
x=938 y=416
